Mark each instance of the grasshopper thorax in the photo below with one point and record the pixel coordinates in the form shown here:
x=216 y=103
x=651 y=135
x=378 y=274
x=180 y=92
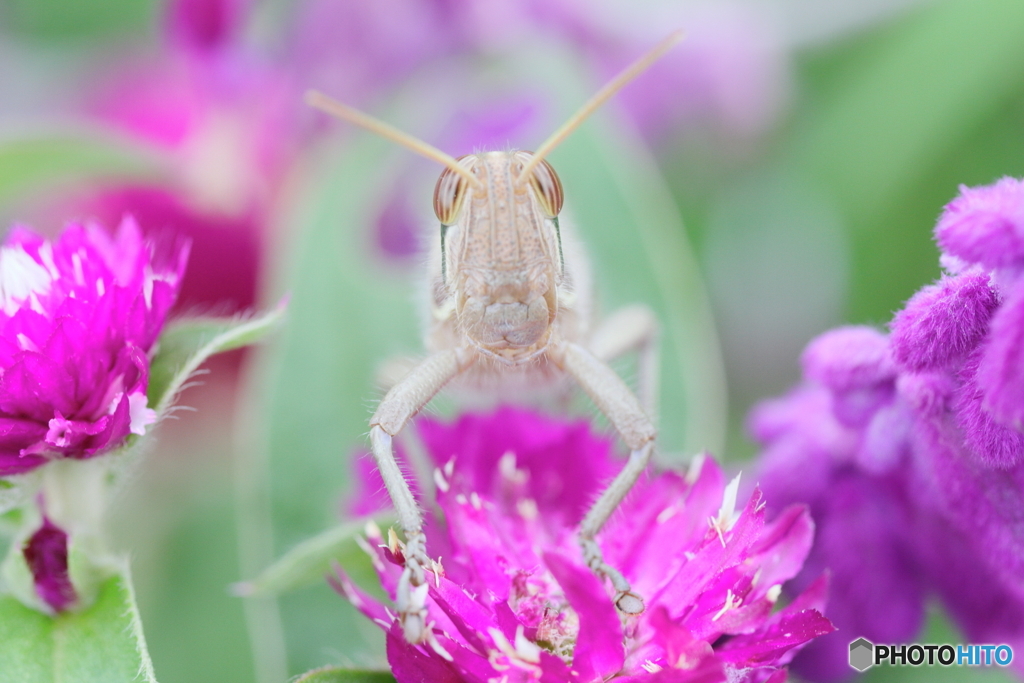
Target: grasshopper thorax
x=501 y=251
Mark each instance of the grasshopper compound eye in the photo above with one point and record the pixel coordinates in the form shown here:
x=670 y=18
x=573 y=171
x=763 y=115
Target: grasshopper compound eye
x=546 y=185
x=449 y=194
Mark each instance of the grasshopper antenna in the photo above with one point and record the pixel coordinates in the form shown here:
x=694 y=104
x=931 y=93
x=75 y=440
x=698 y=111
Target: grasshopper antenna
x=320 y=101
x=602 y=96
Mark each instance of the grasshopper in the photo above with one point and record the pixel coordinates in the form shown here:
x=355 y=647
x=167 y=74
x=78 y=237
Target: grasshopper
x=510 y=301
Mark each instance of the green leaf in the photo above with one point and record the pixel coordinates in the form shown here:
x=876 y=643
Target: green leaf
x=896 y=122
x=31 y=163
x=308 y=562
x=101 y=644
x=900 y=104
x=184 y=346
x=309 y=403
x=331 y=674
x=64 y=22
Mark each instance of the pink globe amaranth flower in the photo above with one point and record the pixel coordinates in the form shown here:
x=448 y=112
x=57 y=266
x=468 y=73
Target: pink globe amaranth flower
x=225 y=251
x=78 y=318
x=514 y=597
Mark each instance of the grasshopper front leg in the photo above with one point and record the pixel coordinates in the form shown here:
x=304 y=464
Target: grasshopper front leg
x=401 y=403
x=611 y=395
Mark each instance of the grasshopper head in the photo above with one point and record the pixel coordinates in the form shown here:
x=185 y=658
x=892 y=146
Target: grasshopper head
x=501 y=251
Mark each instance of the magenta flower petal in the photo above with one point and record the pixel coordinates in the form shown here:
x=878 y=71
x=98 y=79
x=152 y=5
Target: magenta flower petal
x=985 y=503
x=784 y=546
x=46 y=553
x=927 y=393
x=79 y=317
x=550 y=452
x=885 y=440
x=224 y=254
x=987 y=607
x=514 y=597
x=599 y=651
x=855 y=363
x=674 y=513
x=769 y=644
x=411 y=665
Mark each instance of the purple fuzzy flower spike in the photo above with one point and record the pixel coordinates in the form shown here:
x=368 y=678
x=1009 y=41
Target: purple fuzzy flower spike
x=942 y=323
x=914 y=467
x=1001 y=368
x=46 y=553
x=78 y=318
x=856 y=365
x=515 y=600
x=984 y=229
x=985 y=225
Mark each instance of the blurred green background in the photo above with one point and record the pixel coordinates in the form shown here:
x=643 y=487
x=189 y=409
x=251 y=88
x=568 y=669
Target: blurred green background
x=822 y=217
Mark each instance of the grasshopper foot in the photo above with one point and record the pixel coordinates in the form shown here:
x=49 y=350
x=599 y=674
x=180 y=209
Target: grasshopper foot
x=411 y=597
x=626 y=601
x=629 y=602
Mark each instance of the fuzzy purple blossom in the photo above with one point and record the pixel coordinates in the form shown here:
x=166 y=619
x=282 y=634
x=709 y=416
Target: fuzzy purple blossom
x=909 y=447
x=78 y=318
x=821 y=450
x=982 y=231
x=985 y=225
x=512 y=596
x=943 y=322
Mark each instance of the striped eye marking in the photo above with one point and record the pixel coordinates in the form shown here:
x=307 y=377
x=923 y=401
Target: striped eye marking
x=449 y=194
x=546 y=186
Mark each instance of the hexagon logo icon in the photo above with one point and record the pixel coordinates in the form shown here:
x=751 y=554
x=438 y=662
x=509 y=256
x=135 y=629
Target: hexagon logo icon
x=862 y=654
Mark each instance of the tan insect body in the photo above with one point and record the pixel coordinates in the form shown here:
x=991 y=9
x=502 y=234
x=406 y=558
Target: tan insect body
x=508 y=299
